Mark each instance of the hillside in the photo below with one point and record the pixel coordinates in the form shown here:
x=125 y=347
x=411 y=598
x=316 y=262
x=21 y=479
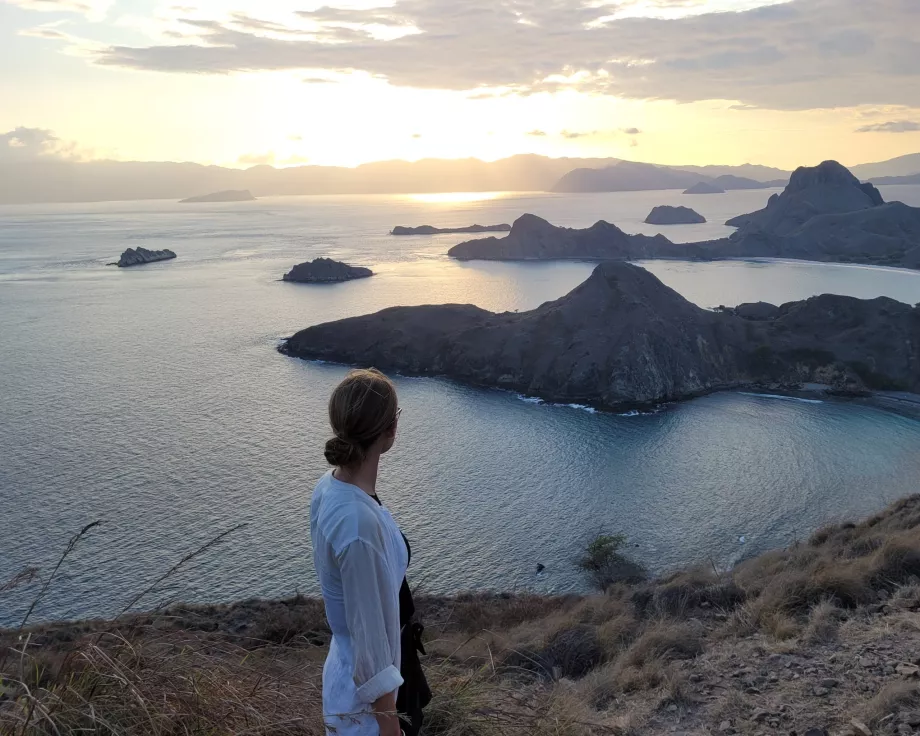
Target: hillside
x=819 y=638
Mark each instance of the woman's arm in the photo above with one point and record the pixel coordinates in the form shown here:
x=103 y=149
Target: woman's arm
x=385 y=711
x=372 y=613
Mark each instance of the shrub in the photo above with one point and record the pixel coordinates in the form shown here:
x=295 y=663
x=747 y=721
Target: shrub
x=604 y=564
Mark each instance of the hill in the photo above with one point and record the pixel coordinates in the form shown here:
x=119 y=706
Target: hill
x=623 y=339
x=900 y=166
x=626 y=176
x=818 y=638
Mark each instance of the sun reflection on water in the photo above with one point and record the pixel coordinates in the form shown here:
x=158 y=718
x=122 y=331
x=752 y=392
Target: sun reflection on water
x=453 y=197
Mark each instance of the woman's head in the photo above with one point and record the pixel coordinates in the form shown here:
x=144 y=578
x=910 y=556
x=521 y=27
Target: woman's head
x=362 y=411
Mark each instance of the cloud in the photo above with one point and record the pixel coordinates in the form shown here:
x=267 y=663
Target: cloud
x=573 y=134
x=537 y=133
x=44 y=31
x=95 y=9
x=801 y=54
x=257 y=159
x=892 y=126
x=416 y=136
x=33 y=144
x=631 y=131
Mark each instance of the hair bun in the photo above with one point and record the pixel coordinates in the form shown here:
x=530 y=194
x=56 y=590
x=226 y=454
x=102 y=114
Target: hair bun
x=341 y=452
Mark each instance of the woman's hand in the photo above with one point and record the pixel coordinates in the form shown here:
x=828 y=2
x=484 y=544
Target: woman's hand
x=385 y=712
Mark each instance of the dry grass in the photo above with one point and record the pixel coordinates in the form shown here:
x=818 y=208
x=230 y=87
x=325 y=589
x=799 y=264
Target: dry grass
x=892 y=698
x=690 y=651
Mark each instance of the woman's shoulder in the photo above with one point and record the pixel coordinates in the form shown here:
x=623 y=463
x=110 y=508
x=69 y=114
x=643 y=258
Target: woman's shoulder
x=343 y=513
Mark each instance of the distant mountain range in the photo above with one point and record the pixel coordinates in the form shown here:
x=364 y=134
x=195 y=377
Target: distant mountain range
x=625 y=176
x=49 y=180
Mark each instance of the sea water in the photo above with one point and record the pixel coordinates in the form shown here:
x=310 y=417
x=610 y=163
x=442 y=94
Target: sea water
x=154 y=399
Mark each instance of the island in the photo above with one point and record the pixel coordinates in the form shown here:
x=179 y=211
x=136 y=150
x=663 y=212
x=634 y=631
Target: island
x=622 y=339
x=430 y=230
x=140 y=256
x=824 y=214
x=667 y=215
x=228 y=195
x=325 y=271
x=533 y=238
x=704 y=187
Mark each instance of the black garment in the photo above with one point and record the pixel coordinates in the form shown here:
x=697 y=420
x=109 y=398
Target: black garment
x=414 y=694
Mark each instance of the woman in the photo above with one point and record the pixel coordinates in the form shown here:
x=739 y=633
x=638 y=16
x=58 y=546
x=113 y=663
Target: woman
x=361 y=559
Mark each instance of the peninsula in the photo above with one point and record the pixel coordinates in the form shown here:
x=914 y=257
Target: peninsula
x=623 y=339
x=430 y=230
x=228 y=195
x=140 y=256
x=325 y=271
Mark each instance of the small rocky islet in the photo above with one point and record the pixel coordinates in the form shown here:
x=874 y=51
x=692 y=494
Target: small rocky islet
x=141 y=256
x=325 y=271
x=667 y=215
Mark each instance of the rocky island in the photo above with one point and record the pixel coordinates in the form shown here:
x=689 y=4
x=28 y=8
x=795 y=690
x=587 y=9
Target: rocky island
x=228 y=195
x=823 y=214
x=623 y=339
x=430 y=230
x=533 y=238
x=140 y=256
x=667 y=215
x=325 y=271
x=704 y=187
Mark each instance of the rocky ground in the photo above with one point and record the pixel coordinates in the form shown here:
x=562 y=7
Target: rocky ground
x=821 y=638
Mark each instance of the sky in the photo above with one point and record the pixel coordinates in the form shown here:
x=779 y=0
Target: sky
x=245 y=82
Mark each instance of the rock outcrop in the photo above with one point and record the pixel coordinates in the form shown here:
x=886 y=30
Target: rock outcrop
x=430 y=230
x=533 y=238
x=704 y=187
x=828 y=188
x=827 y=214
x=756 y=310
x=140 y=256
x=622 y=338
x=325 y=271
x=667 y=215
x=228 y=195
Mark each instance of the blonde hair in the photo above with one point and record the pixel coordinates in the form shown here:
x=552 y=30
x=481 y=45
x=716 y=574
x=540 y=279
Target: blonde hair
x=362 y=407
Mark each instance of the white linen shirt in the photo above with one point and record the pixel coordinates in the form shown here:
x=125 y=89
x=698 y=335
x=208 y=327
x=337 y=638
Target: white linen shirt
x=361 y=560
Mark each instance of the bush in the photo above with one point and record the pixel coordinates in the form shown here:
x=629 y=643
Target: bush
x=604 y=564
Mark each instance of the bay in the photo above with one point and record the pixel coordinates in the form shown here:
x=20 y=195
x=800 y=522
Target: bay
x=153 y=399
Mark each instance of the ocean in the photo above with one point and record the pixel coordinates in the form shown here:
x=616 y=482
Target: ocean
x=153 y=399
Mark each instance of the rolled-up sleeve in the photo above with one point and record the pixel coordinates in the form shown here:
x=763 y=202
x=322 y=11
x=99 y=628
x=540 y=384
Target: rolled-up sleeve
x=372 y=613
